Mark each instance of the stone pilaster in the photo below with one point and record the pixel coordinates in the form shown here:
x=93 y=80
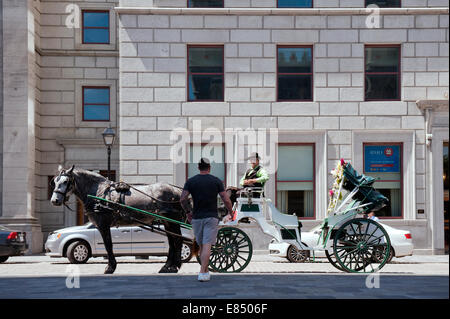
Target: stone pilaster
x=19 y=108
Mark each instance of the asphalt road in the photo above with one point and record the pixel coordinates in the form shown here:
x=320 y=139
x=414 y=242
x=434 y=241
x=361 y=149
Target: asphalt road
x=264 y=278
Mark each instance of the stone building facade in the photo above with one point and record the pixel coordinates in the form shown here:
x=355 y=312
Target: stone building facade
x=145 y=65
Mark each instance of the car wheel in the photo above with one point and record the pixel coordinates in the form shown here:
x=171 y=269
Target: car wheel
x=3 y=259
x=186 y=253
x=295 y=255
x=78 y=252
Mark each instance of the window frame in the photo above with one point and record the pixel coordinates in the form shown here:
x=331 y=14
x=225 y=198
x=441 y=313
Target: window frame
x=188 y=73
x=399 y=73
x=84 y=104
x=187 y=5
x=401 y=175
x=310 y=46
x=83 y=27
x=203 y=144
x=313 y=180
x=278 y=6
x=399 y=4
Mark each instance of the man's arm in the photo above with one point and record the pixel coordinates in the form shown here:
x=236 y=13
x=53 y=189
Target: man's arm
x=262 y=176
x=184 y=201
x=226 y=201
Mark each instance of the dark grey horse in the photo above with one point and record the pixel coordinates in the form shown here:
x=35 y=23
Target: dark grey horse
x=162 y=199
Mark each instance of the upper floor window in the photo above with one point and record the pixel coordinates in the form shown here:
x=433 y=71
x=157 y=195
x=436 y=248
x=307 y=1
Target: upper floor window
x=385 y=3
x=96 y=103
x=294 y=3
x=295 y=73
x=95 y=26
x=205 y=3
x=382 y=72
x=205 y=73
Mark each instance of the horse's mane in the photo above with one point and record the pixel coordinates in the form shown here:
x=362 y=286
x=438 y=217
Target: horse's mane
x=95 y=177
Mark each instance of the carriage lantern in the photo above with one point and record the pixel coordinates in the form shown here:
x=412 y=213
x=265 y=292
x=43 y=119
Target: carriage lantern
x=108 y=138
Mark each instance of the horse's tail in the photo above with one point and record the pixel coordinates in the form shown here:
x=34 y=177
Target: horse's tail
x=195 y=249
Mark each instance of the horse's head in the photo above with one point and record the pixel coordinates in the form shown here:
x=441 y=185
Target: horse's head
x=62 y=185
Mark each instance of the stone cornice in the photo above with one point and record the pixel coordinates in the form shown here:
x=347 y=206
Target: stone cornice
x=278 y=11
x=84 y=142
x=434 y=105
x=98 y=53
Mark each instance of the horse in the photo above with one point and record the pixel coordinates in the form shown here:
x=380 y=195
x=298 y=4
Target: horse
x=161 y=198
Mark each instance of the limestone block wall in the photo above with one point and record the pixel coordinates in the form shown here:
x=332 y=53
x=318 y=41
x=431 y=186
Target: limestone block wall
x=153 y=85
x=273 y=3
x=65 y=65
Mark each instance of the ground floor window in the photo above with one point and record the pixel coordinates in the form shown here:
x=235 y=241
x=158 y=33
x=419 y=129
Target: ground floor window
x=384 y=162
x=295 y=180
x=215 y=154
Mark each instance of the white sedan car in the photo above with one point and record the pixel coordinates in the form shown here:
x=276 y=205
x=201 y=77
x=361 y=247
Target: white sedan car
x=79 y=243
x=401 y=244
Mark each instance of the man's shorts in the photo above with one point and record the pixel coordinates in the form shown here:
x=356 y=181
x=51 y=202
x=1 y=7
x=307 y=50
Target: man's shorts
x=205 y=230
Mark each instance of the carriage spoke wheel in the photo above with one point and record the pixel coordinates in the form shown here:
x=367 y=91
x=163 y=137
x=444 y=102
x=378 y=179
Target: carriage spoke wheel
x=232 y=252
x=332 y=259
x=356 y=243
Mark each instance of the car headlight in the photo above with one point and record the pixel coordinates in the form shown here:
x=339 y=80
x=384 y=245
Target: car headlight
x=53 y=236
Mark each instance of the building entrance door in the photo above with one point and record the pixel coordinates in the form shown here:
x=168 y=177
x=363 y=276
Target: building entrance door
x=446 y=195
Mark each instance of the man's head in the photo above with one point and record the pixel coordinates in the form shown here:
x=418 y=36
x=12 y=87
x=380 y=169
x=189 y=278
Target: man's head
x=254 y=159
x=204 y=165
x=371 y=214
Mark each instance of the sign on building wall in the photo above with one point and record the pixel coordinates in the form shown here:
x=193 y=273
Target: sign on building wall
x=382 y=158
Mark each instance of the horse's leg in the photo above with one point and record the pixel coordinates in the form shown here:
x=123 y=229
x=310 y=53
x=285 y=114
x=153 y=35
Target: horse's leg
x=173 y=262
x=103 y=222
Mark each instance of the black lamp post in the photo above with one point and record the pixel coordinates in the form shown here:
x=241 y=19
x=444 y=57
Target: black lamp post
x=108 y=138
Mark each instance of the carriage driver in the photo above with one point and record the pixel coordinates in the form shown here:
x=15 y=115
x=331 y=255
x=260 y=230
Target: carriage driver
x=256 y=176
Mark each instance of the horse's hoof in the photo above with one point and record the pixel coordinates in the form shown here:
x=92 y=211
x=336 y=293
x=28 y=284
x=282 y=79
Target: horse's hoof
x=170 y=269
x=110 y=270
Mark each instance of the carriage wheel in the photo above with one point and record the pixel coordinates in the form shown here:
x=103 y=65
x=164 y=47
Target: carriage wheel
x=357 y=241
x=232 y=252
x=332 y=260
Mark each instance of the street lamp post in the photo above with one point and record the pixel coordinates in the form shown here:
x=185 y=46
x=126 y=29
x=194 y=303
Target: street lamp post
x=108 y=138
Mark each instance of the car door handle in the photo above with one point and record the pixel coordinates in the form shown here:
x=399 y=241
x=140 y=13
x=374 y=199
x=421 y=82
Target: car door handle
x=138 y=230
x=125 y=231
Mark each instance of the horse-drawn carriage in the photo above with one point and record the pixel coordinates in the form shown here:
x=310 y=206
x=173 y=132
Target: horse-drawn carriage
x=351 y=241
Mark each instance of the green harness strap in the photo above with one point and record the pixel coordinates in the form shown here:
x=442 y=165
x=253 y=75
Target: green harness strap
x=187 y=226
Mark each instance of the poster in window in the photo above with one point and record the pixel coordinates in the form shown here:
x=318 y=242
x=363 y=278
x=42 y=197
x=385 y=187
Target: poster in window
x=382 y=158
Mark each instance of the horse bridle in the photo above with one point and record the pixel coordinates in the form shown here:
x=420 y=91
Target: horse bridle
x=70 y=183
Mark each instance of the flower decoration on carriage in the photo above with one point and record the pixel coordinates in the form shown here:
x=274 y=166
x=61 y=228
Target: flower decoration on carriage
x=335 y=194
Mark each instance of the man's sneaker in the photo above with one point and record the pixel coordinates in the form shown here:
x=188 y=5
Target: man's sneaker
x=204 y=276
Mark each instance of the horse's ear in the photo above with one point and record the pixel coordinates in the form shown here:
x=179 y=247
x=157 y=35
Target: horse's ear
x=71 y=169
x=60 y=168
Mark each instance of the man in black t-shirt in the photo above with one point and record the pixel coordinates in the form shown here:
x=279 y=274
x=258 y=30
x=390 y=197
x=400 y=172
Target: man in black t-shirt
x=204 y=188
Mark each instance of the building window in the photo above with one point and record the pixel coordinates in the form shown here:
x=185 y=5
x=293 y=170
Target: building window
x=95 y=26
x=216 y=155
x=205 y=3
x=384 y=163
x=382 y=72
x=205 y=73
x=294 y=182
x=295 y=73
x=295 y=3
x=385 y=3
x=96 y=103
